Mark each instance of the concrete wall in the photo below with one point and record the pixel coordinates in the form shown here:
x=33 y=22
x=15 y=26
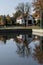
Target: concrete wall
x=37 y=32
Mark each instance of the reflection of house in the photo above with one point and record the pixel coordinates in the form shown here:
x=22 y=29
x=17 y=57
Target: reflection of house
x=24 y=38
x=25 y=19
x=20 y=36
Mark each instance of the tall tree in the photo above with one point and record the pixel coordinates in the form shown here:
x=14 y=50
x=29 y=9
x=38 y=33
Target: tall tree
x=17 y=14
x=38 y=7
x=24 y=8
x=8 y=20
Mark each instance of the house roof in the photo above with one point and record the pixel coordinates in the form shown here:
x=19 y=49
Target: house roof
x=22 y=16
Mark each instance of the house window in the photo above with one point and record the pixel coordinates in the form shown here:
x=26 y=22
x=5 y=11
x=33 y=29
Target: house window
x=22 y=20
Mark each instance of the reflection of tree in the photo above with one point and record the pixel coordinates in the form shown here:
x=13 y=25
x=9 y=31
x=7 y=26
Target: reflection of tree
x=38 y=55
x=41 y=41
x=3 y=38
x=6 y=37
x=22 y=47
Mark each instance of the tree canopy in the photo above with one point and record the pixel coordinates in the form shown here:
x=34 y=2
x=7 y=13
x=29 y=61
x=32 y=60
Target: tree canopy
x=38 y=7
x=24 y=8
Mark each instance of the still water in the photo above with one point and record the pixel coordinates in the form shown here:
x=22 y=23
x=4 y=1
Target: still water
x=21 y=49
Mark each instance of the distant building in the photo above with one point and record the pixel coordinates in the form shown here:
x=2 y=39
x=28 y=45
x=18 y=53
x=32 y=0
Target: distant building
x=25 y=19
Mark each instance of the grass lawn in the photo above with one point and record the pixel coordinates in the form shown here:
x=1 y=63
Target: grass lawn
x=21 y=27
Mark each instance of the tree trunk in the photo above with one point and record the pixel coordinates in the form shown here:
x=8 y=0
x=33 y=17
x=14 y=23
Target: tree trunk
x=41 y=22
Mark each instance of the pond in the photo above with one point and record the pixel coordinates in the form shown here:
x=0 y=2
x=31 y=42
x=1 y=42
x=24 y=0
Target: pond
x=21 y=49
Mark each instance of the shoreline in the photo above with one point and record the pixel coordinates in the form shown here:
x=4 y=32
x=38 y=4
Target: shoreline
x=19 y=27
x=23 y=30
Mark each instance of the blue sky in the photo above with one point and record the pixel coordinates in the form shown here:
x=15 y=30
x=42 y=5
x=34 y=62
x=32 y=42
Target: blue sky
x=8 y=6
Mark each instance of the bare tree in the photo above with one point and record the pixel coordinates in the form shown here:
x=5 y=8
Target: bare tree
x=24 y=8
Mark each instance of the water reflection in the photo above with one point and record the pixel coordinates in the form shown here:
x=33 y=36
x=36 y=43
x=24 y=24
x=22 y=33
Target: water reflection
x=22 y=46
x=38 y=51
x=38 y=55
x=25 y=46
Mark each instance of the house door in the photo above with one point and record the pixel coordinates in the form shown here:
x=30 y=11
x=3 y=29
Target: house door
x=29 y=22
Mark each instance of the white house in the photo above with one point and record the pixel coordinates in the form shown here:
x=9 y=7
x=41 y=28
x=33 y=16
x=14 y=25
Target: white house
x=29 y=20
x=20 y=20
